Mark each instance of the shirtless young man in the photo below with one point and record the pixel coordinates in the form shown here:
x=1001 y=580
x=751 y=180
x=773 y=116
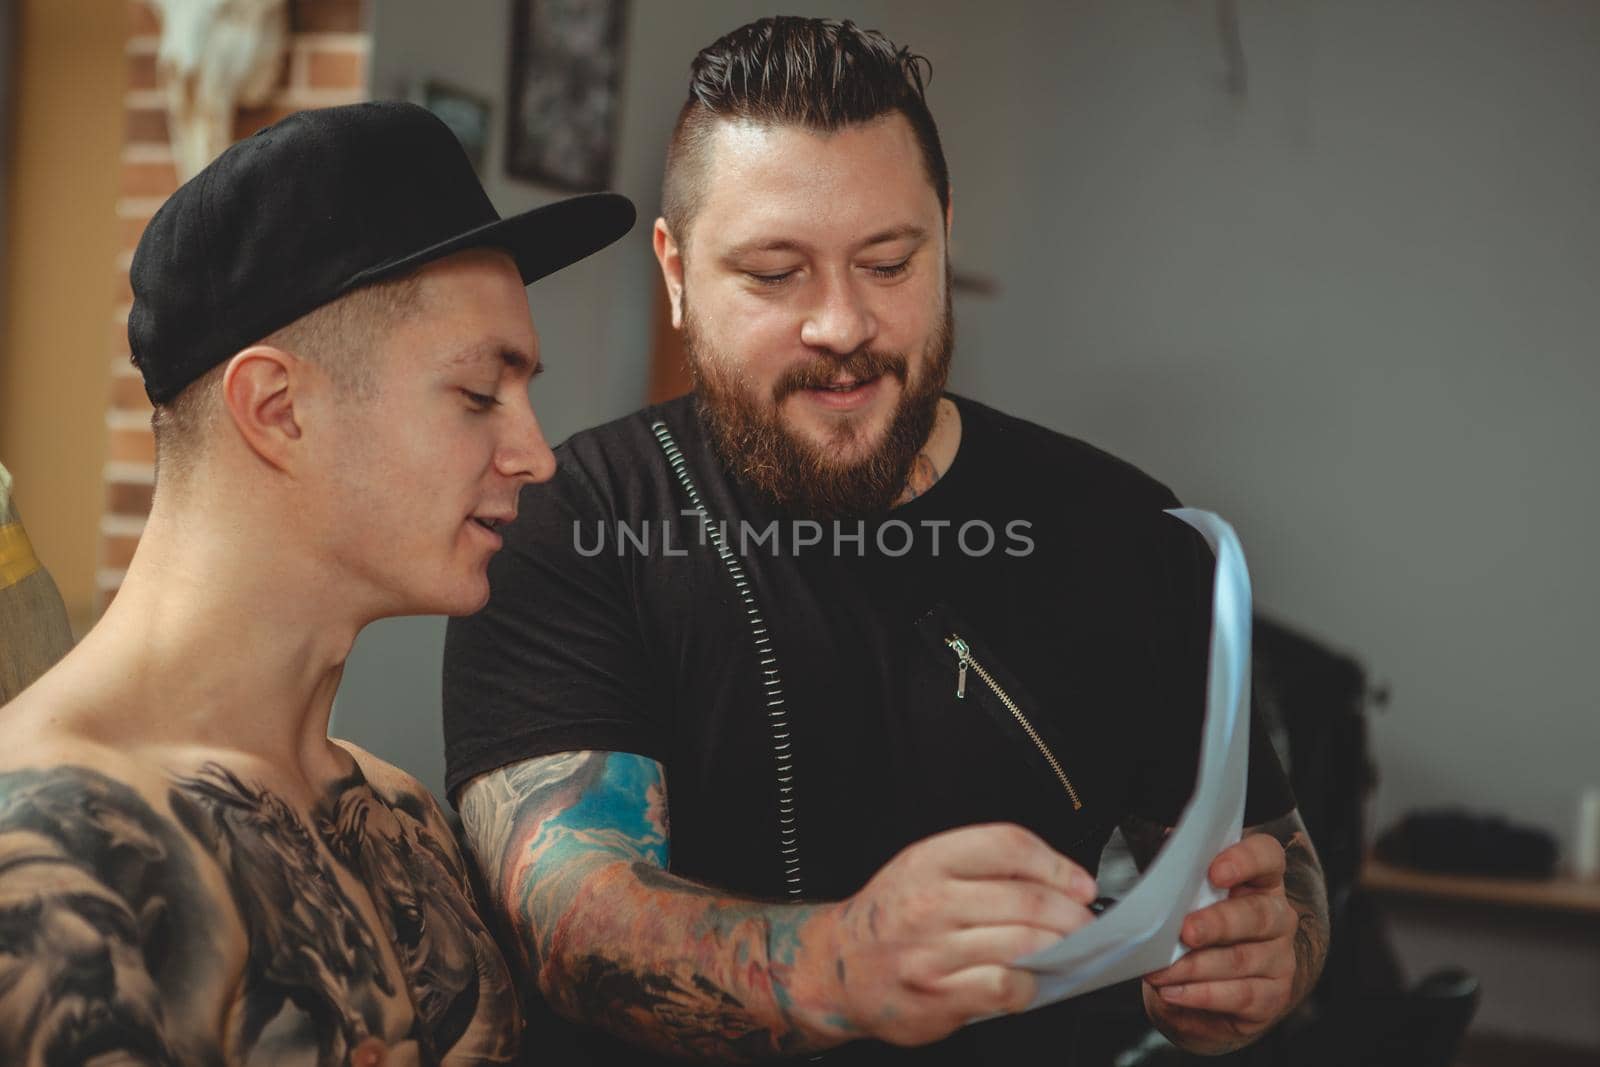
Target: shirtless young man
x=331 y=321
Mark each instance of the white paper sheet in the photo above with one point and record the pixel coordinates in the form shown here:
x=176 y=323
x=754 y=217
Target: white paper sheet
x=1140 y=933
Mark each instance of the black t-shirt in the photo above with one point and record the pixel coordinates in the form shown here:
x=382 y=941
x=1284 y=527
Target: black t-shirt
x=801 y=683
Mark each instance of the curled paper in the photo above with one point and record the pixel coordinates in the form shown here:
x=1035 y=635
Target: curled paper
x=1140 y=934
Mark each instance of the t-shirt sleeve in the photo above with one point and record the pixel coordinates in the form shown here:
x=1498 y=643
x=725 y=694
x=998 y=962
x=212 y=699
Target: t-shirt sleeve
x=554 y=662
x=1176 y=678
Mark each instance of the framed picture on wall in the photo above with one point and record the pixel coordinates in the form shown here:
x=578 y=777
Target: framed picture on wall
x=566 y=65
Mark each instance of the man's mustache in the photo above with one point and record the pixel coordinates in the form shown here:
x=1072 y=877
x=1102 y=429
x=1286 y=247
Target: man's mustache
x=820 y=373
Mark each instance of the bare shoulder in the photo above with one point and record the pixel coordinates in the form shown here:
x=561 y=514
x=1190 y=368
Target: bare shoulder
x=400 y=789
x=410 y=839
x=119 y=934
x=382 y=774
x=385 y=825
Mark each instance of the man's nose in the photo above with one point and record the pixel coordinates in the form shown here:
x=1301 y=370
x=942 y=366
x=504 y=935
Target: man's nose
x=840 y=321
x=524 y=453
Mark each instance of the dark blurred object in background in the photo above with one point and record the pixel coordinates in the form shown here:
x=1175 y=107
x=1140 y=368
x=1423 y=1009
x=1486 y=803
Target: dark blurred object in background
x=34 y=632
x=1457 y=842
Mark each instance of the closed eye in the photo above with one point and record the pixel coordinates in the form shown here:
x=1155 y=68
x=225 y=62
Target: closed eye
x=480 y=401
x=892 y=270
x=769 y=279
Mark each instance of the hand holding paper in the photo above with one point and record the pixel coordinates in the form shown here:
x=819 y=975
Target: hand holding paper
x=929 y=943
x=1209 y=925
x=1141 y=934
x=1238 y=976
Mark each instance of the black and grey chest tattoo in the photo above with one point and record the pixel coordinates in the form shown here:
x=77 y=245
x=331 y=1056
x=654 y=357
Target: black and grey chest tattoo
x=361 y=934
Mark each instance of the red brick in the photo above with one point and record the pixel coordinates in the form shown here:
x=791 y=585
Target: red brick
x=247 y=120
x=122 y=294
x=129 y=231
x=149 y=179
x=142 y=71
x=142 y=19
x=117 y=551
x=127 y=394
x=328 y=16
x=131 y=446
x=145 y=125
x=103 y=599
x=336 y=68
x=128 y=498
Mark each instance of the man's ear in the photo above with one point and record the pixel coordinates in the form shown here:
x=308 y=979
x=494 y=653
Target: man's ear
x=258 y=391
x=670 y=256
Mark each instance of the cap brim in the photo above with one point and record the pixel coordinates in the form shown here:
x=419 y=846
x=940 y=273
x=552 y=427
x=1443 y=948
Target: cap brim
x=542 y=241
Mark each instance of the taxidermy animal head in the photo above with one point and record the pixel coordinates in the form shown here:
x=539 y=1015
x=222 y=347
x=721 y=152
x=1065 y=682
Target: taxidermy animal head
x=216 y=55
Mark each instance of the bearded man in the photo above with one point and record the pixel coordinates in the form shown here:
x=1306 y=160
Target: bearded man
x=902 y=662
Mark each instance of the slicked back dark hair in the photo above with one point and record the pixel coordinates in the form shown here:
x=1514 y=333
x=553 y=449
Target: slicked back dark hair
x=819 y=74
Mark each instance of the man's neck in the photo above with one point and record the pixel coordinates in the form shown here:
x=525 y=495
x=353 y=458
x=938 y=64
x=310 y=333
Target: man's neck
x=937 y=453
x=213 y=642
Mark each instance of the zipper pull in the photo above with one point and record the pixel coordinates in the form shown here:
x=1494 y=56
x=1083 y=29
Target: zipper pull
x=963 y=657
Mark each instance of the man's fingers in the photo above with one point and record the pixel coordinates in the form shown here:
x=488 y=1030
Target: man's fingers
x=1254 y=917
x=1252 y=999
x=1250 y=959
x=1257 y=861
x=1005 y=850
x=990 y=989
x=926 y=968
x=1015 y=903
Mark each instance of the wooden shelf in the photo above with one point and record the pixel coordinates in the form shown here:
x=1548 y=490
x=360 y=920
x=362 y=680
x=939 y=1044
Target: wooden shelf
x=1541 y=894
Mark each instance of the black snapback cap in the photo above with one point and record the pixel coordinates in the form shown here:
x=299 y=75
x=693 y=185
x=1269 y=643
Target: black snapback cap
x=323 y=202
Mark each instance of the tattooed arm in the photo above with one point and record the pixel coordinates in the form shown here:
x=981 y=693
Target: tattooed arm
x=575 y=845
x=1257 y=954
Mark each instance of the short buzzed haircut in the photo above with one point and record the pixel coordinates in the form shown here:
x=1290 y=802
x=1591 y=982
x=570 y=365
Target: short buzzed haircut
x=818 y=74
x=341 y=337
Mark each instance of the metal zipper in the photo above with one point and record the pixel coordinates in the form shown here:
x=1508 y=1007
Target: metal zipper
x=965 y=661
x=767 y=659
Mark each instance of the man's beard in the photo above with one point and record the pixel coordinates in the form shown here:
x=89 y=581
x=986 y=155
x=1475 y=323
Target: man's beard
x=794 y=472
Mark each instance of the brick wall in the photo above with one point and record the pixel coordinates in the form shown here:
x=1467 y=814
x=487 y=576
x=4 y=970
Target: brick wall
x=326 y=65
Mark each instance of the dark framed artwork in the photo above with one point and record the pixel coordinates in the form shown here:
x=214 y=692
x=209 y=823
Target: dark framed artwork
x=467 y=115
x=566 y=66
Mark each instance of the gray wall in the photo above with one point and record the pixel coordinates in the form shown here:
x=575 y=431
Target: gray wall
x=593 y=321
x=1352 y=310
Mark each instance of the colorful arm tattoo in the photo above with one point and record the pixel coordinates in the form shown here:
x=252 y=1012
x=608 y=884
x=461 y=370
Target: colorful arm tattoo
x=575 y=847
